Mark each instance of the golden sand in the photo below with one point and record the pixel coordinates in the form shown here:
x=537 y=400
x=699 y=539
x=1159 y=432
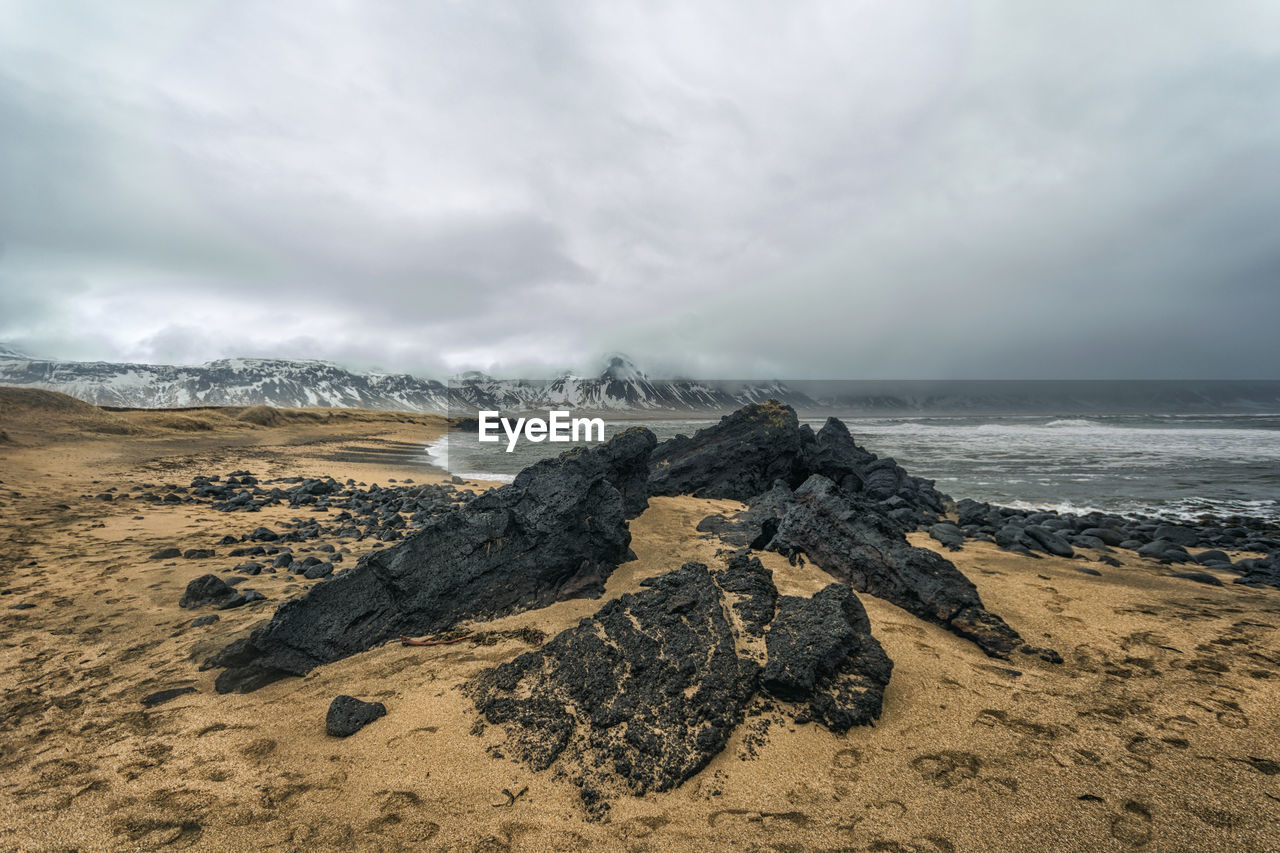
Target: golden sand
x=1161 y=731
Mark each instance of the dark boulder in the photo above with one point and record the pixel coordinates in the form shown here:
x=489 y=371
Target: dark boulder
x=1108 y=535
x=210 y=590
x=1260 y=572
x=1177 y=533
x=1165 y=551
x=821 y=652
x=1080 y=540
x=1050 y=542
x=348 y=715
x=643 y=694
x=166 y=554
x=197 y=554
x=948 y=535
x=318 y=570
x=556 y=532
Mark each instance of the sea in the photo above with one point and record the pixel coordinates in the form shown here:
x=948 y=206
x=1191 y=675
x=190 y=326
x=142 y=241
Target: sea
x=1177 y=467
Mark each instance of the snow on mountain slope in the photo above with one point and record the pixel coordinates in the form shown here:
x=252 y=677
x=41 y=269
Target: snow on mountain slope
x=296 y=383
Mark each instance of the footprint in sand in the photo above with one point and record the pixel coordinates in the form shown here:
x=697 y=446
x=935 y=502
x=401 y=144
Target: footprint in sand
x=401 y=809
x=844 y=765
x=1133 y=825
x=947 y=769
x=258 y=748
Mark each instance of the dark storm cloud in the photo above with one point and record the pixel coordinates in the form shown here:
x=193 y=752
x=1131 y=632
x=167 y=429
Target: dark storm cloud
x=851 y=189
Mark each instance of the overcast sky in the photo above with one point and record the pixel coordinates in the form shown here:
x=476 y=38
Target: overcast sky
x=846 y=189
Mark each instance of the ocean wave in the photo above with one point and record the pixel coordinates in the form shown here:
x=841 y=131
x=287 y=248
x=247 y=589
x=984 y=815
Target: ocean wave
x=1182 y=509
x=438 y=452
x=487 y=475
x=1074 y=422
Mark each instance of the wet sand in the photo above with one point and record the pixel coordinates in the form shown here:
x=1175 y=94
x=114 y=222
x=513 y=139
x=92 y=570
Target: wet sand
x=1160 y=731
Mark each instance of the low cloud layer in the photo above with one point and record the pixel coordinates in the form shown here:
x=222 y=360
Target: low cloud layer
x=848 y=190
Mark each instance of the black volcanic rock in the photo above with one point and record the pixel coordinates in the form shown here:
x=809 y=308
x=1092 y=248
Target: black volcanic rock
x=643 y=694
x=851 y=538
x=1049 y=541
x=210 y=590
x=737 y=458
x=821 y=652
x=1260 y=572
x=835 y=455
x=747 y=451
x=752 y=585
x=626 y=457
x=556 y=532
x=348 y=715
x=654 y=682
x=948 y=535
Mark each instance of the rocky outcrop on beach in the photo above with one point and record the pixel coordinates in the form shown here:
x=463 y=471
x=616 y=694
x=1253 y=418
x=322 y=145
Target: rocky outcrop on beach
x=643 y=694
x=853 y=539
x=1095 y=534
x=556 y=532
x=747 y=451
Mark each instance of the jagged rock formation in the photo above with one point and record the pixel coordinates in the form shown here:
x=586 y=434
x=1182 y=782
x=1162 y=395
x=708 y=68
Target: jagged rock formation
x=556 y=532
x=822 y=654
x=850 y=537
x=626 y=457
x=737 y=458
x=647 y=691
x=747 y=451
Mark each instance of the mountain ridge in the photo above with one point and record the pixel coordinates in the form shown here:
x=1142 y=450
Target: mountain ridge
x=620 y=386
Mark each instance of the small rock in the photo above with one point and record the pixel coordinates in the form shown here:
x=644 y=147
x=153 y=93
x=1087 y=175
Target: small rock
x=166 y=554
x=348 y=715
x=319 y=570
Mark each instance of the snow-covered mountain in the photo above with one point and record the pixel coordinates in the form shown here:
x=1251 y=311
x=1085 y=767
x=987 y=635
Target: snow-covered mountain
x=226 y=382
x=298 y=383
x=619 y=386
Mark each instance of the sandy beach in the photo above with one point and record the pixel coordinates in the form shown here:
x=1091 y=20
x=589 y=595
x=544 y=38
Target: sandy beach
x=1159 y=731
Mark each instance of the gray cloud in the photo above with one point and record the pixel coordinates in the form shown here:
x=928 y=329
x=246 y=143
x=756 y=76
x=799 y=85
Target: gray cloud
x=814 y=189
